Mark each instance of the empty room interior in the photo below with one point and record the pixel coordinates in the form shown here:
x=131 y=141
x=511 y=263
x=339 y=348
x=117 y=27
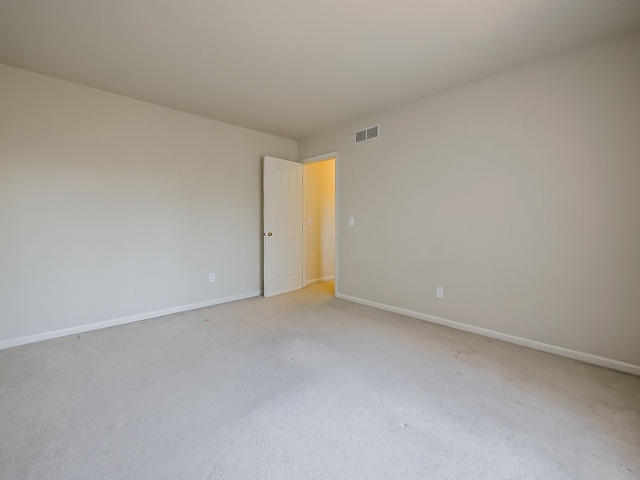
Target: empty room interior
x=324 y=240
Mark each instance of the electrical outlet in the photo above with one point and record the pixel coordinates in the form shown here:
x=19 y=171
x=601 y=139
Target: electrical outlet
x=440 y=292
x=352 y=221
x=212 y=277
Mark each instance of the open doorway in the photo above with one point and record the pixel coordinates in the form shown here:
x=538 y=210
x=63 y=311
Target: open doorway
x=319 y=225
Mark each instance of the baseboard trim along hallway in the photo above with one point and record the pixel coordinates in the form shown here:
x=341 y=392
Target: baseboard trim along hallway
x=318 y=280
x=544 y=347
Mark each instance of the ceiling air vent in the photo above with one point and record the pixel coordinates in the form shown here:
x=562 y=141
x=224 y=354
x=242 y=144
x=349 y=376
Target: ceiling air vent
x=367 y=134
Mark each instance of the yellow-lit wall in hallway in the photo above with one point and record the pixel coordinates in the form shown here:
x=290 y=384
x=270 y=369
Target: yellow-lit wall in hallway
x=319 y=188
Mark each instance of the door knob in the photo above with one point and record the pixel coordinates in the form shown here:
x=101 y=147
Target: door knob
x=269 y=234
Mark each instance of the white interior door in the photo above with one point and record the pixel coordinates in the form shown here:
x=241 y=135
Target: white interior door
x=282 y=226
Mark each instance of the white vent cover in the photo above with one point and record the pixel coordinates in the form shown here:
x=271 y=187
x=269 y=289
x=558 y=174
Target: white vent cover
x=367 y=134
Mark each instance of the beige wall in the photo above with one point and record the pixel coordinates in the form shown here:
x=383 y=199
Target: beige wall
x=112 y=208
x=319 y=206
x=520 y=195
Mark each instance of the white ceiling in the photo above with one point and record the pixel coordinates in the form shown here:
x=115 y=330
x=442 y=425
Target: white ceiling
x=294 y=67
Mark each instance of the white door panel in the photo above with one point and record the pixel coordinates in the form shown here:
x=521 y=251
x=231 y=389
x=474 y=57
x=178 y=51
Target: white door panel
x=282 y=226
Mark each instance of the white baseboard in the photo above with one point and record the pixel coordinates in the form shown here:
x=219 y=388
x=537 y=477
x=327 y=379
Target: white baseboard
x=563 y=352
x=121 y=321
x=318 y=280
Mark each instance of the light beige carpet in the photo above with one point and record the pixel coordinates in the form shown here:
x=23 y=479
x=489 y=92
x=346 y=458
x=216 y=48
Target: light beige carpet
x=304 y=385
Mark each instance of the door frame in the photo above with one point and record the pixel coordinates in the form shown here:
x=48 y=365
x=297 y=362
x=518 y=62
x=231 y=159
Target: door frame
x=314 y=159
